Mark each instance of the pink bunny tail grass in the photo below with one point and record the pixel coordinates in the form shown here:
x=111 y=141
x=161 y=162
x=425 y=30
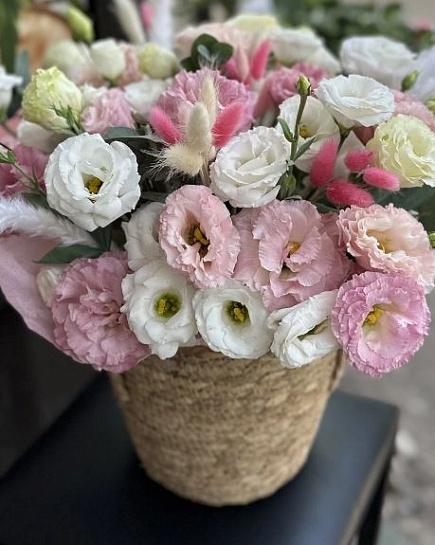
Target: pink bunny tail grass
x=146 y=14
x=323 y=166
x=343 y=193
x=227 y=123
x=231 y=69
x=358 y=160
x=259 y=59
x=163 y=126
x=381 y=178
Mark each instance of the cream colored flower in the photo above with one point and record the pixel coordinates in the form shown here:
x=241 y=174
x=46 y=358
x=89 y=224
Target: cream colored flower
x=406 y=146
x=109 y=59
x=291 y=45
x=157 y=62
x=52 y=100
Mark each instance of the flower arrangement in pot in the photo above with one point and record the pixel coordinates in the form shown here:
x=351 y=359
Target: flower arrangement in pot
x=217 y=232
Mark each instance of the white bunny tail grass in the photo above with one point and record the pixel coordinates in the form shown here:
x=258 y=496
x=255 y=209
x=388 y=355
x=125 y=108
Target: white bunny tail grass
x=182 y=158
x=198 y=130
x=209 y=98
x=130 y=21
x=19 y=216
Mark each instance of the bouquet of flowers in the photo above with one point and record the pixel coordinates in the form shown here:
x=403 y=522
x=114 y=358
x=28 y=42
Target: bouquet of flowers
x=250 y=194
x=246 y=197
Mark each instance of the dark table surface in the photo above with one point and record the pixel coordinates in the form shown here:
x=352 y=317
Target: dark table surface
x=82 y=484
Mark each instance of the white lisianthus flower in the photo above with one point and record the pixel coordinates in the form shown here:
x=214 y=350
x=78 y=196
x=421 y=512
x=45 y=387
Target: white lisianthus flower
x=35 y=136
x=356 y=100
x=247 y=170
x=232 y=320
x=316 y=122
x=142 y=96
x=109 y=59
x=377 y=57
x=52 y=100
x=142 y=234
x=303 y=332
x=325 y=59
x=291 y=45
x=66 y=54
x=7 y=83
x=47 y=281
x=424 y=88
x=158 y=306
x=406 y=146
x=91 y=182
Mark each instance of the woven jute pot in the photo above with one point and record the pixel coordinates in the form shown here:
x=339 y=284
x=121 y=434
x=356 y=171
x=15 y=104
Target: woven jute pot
x=220 y=431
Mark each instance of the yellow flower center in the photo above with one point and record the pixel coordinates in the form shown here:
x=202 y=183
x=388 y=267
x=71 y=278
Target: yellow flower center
x=94 y=185
x=373 y=316
x=303 y=131
x=167 y=305
x=238 y=312
x=196 y=235
x=293 y=247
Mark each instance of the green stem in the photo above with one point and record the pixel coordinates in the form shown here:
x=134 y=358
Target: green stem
x=294 y=147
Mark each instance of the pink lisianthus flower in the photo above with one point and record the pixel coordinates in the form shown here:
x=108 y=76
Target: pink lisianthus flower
x=110 y=109
x=282 y=82
x=89 y=326
x=295 y=259
x=177 y=101
x=198 y=236
x=390 y=240
x=407 y=105
x=132 y=73
x=32 y=161
x=380 y=320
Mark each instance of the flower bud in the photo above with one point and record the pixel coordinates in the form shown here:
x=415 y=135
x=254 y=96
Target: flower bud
x=52 y=101
x=409 y=80
x=303 y=86
x=80 y=24
x=109 y=59
x=157 y=62
x=431 y=104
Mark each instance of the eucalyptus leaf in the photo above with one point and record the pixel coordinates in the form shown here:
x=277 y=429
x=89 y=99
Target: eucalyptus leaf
x=65 y=254
x=189 y=64
x=409 y=198
x=154 y=196
x=118 y=133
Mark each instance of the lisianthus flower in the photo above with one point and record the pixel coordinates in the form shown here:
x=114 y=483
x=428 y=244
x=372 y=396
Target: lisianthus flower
x=142 y=96
x=109 y=59
x=302 y=334
x=158 y=306
x=356 y=100
x=298 y=255
x=142 y=235
x=247 y=170
x=198 y=236
x=407 y=105
x=91 y=182
x=380 y=320
x=316 y=122
x=110 y=109
x=405 y=145
x=88 y=324
x=388 y=239
x=377 y=57
x=186 y=89
x=232 y=320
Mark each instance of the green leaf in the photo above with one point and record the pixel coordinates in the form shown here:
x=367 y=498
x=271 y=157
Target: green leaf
x=103 y=237
x=286 y=129
x=189 y=64
x=223 y=53
x=409 y=198
x=118 y=133
x=8 y=32
x=154 y=196
x=305 y=147
x=204 y=52
x=37 y=199
x=65 y=254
